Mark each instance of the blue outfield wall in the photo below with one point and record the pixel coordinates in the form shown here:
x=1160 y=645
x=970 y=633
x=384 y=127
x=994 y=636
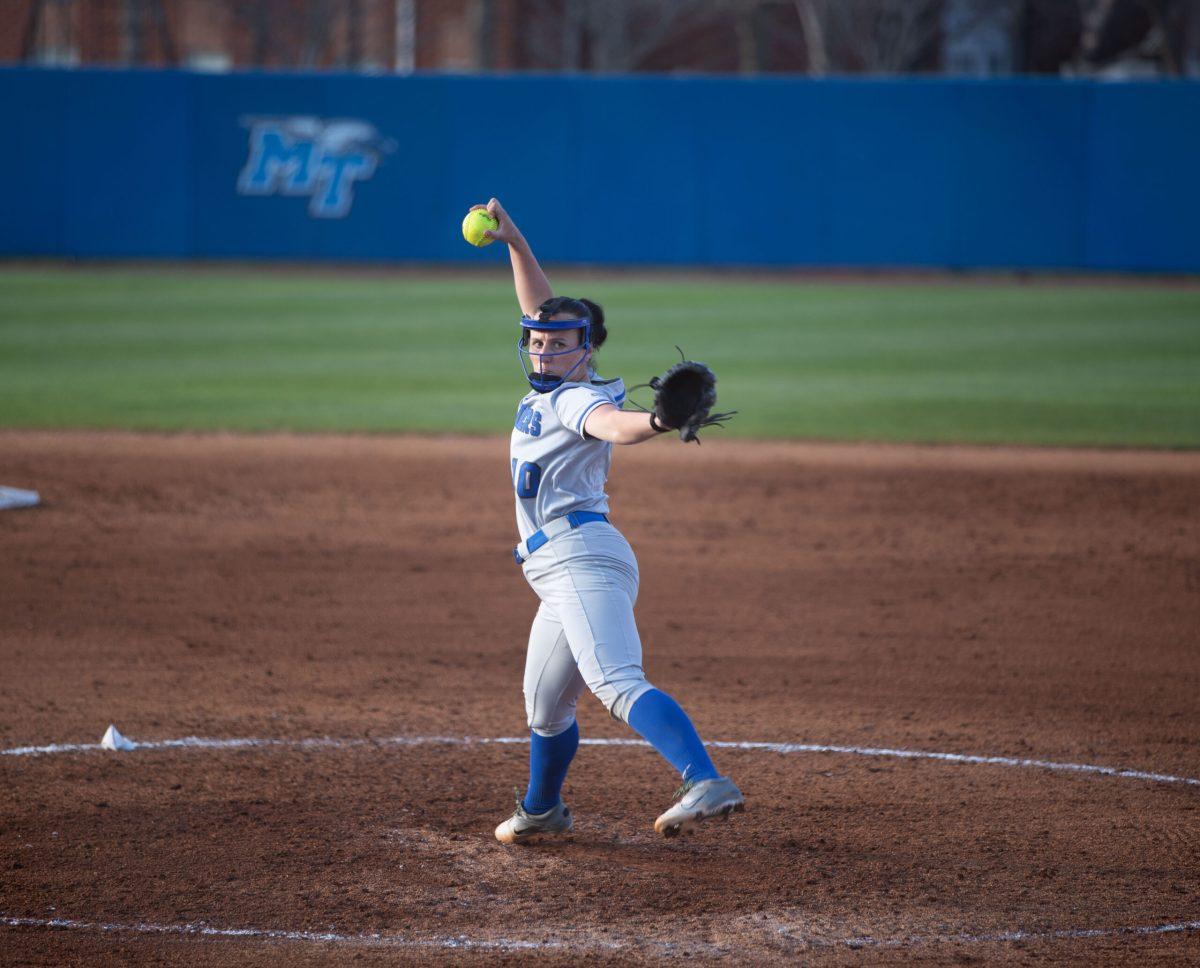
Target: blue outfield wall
x=653 y=170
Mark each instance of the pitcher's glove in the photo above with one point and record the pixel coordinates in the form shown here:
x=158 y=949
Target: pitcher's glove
x=683 y=400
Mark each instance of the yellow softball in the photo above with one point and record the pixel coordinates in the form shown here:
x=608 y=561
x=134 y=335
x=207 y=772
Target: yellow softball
x=475 y=224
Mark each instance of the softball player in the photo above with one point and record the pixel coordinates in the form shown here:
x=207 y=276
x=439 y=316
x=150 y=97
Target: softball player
x=580 y=566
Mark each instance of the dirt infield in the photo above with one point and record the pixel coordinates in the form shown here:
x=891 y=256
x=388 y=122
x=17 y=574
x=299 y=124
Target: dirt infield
x=1014 y=603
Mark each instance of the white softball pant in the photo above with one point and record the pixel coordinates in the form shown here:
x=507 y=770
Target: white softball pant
x=584 y=632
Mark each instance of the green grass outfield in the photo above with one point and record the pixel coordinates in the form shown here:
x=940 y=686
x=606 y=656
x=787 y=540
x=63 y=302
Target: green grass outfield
x=1073 y=363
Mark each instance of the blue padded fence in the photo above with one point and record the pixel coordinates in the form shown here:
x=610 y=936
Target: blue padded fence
x=627 y=170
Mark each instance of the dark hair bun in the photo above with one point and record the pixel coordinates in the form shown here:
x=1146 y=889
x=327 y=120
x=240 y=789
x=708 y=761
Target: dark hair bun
x=599 y=331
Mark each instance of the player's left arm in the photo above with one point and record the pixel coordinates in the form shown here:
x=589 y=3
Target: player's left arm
x=607 y=422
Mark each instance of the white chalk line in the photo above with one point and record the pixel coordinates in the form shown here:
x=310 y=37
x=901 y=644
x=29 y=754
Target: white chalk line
x=327 y=742
x=463 y=942
x=276 y=934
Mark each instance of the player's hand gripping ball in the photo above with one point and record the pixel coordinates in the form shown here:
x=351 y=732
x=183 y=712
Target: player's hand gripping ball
x=475 y=224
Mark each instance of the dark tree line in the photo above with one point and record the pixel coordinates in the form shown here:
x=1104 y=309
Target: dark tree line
x=816 y=37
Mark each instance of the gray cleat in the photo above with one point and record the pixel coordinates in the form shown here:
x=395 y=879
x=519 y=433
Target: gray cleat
x=524 y=826
x=696 y=801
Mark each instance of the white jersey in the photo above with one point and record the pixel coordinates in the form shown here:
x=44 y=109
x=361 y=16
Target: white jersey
x=556 y=469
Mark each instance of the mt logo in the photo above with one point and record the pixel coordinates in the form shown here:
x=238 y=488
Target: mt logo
x=318 y=157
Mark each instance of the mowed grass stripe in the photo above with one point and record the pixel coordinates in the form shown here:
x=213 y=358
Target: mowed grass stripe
x=1072 y=364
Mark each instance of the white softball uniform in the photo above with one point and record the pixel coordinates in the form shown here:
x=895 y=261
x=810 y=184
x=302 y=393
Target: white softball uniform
x=586 y=577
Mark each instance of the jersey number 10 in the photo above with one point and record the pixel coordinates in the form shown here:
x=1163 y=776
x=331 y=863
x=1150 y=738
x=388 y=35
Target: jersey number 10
x=526 y=478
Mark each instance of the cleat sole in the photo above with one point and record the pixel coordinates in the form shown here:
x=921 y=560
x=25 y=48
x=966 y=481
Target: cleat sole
x=708 y=798
x=689 y=824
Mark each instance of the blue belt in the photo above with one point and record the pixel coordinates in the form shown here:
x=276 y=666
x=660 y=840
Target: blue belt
x=553 y=528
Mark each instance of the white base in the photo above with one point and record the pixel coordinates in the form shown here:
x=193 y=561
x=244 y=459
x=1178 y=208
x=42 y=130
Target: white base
x=113 y=740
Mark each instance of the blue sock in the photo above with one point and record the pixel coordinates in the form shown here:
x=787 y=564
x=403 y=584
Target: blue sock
x=549 y=757
x=661 y=721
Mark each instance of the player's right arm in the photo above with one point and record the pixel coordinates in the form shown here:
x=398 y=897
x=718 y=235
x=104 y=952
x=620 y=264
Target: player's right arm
x=533 y=288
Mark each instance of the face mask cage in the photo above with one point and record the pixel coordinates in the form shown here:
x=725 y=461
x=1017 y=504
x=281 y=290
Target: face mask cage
x=544 y=383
